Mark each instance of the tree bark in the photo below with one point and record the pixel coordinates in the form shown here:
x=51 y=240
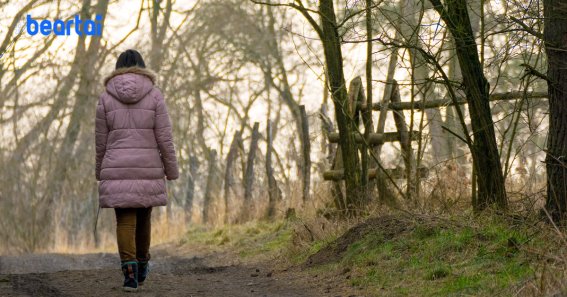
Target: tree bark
x=249 y=175
x=455 y=147
x=158 y=32
x=367 y=112
x=211 y=190
x=200 y=123
x=229 y=174
x=190 y=194
x=305 y=154
x=486 y=160
x=274 y=192
x=337 y=85
x=555 y=30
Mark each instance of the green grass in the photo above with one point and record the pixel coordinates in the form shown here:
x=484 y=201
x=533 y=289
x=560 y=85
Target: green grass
x=266 y=241
x=248 y=240
x=440 y=261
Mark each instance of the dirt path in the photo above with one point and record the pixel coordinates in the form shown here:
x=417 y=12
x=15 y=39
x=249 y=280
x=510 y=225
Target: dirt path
x=174 y=273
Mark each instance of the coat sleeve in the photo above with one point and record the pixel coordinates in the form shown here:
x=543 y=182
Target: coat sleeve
x=101 y=135
x=164 y=140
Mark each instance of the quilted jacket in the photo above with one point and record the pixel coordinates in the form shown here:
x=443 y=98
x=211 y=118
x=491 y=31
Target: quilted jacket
x=134 y=142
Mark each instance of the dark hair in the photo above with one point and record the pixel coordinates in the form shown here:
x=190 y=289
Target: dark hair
x=130 y=58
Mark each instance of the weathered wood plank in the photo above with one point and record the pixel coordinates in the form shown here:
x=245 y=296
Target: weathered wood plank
x=396 y=173
x=449 y=102
x=374 y=138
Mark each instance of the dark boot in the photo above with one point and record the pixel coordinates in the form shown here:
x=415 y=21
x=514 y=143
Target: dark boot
x=130 y=270
x=143 y=270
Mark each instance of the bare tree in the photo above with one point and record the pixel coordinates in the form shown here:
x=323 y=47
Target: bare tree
x=555 y=31
x=486 y=159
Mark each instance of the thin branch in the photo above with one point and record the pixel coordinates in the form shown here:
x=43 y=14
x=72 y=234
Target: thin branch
x=302 y=9
x=527 y=28
x=530 y=70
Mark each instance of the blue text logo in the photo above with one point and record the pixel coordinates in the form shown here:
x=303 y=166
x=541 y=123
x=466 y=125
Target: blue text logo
x=60 y=27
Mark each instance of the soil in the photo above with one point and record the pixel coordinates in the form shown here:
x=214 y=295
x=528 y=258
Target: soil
x=192 y=270
x=387 y=226
x=175 y=271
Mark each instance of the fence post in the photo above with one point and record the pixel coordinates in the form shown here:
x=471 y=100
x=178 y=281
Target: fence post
x=405 y=140
x=333 y=156
x=386 y=194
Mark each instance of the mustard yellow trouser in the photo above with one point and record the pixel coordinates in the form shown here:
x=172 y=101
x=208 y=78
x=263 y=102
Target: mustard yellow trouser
x=133 y=233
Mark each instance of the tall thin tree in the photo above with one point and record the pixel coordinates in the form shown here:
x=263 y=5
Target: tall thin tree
x=484 y=150
x=555 y=30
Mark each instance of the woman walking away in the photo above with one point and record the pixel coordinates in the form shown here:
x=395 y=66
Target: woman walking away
x=134 y=153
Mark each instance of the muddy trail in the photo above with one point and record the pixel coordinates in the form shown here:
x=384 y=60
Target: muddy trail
x=174 y=272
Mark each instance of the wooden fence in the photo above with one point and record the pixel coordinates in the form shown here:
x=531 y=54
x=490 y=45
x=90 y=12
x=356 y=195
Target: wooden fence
x=375 y=139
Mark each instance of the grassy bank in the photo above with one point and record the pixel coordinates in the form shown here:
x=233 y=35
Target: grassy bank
x=401 y=255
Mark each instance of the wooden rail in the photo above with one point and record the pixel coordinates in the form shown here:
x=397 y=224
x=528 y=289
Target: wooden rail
x=448 y=102
x=396 y=173
x=374 y=138
x=356 y=99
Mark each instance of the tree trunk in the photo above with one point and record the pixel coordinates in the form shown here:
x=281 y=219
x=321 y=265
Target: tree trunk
x=190 y=195
x=297 y=111
x=334 y=66
x=486 y=160
x=274 y=192
x=305 y=154
x=229 y=174
x=200 y=123
x=158 y=32
x=455 y=148
x=249 y=176
x=367 y=112
x=555 y=30
x=211 y=191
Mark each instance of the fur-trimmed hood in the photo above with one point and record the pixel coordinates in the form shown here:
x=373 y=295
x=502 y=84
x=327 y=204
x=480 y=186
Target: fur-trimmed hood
x=131 y=84
x=137 y=70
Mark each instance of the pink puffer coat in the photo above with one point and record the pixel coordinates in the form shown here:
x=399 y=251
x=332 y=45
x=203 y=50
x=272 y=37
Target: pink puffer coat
x=134 y=144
